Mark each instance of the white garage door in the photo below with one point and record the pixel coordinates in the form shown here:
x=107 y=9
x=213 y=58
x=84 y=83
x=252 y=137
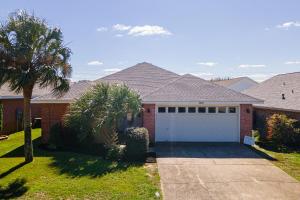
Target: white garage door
x=197 y=124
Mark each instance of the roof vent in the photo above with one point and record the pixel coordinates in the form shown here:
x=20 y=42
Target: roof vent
x=283 y=83
x=283 y=97
x=292 y=91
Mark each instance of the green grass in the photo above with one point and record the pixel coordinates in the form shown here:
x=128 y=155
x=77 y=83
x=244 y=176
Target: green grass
x=287 y=159
x=66 y=175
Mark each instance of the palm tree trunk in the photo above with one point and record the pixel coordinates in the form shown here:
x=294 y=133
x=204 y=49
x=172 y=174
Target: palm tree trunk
x=28 y=149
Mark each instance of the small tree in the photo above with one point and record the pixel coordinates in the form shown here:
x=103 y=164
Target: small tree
x=281 y=129
x=101 y=110
x=32 y=53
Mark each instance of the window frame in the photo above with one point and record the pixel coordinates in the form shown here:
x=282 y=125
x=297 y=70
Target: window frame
x=222 y=107
x=160 y=107
x=215 y=108
x=178 y=109
x=205 y=109
x=171 y=107
x=191 y=107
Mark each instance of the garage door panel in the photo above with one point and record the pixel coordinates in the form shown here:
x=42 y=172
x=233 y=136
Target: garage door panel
x=219 y=127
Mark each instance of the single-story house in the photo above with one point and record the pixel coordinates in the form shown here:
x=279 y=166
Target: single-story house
x=176 y=108
x=238 y=84
x=11 y=108
x=281 y=94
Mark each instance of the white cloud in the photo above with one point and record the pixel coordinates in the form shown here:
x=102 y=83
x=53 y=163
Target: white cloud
x=119 y=35
x=121 y=27
x=288 y=25
x=102 y=29
x=295 y=62
x=95 y=62
x=111 y=70
x=147 y=30
x=204 y=75
x=210 y=64
x=261 y=77
x=251 y=66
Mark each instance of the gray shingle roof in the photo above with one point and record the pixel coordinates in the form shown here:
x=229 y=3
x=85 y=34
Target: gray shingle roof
x=5 y=92
x=76 y=90
x=156 y=84
x=143 y=77
x=272 y=89
x=188 y=88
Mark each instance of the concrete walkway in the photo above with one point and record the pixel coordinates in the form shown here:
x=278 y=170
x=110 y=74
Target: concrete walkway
x=221 y=171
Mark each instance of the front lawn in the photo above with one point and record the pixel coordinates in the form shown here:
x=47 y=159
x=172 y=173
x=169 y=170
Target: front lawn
x=66 y=175
x=288 y=159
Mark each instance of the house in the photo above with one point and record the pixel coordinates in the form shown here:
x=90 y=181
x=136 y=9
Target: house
x=176 y=108
x=11 y=108
x=238 y=84
x=281 y=94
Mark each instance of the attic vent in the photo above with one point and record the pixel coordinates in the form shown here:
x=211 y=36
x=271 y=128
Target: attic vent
x=283 y=97
x=292 y=91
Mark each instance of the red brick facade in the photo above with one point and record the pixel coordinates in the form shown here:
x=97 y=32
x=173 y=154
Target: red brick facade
x=149 y=120
x=52 y=114
x=246 y=120
x=10 y=108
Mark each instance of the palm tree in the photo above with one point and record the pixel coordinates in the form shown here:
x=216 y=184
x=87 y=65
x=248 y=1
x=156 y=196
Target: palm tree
x=32 y=54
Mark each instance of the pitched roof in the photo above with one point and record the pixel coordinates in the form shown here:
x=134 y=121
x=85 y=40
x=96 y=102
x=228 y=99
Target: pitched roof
x=188 y=88
x=156 y=84
x=76 y=90
x=6 y=93
x=143 y=77
x=228 y=82
x=271 y=92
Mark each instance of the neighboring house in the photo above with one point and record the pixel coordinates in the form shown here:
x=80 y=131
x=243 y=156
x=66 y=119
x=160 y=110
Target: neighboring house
x=11 y=108
x=176 y=108
x=281 y=94
x=238 y=84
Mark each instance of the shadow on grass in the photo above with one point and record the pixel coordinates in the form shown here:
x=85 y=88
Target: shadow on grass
x=78 y=165
x=12 y=170
x=262 y=154
x=278 y=148
x=71 y=163
x=15 y=189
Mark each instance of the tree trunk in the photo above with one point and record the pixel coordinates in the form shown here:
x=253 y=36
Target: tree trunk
x=28 y=149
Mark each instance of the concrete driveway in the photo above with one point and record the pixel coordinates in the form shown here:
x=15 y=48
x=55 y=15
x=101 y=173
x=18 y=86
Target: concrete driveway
x=220 y=171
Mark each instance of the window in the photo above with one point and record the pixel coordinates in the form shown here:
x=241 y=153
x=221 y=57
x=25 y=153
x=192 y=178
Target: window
x=181 y=109
x=222 y=110
x=161 y=109
x=202 y=110
x=191 y=109
x=232 y=109
x=1 y=116
x=211 y=109
x=171 y=109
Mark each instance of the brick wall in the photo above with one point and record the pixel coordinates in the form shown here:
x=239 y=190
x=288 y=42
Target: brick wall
x=10 y=107
x=51 y=114
x=149 y=120
x=246 y=120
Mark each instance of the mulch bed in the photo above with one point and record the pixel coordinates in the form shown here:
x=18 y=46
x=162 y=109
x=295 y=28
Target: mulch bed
x=3 y=137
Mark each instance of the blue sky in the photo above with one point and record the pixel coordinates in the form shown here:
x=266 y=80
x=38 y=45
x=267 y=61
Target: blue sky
x=207 y=38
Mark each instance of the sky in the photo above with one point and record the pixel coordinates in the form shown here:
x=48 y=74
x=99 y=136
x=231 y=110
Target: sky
x=209 y=39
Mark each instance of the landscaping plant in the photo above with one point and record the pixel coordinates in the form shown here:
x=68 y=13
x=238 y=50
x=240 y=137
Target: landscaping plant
x=100 y=111
x=32 y=54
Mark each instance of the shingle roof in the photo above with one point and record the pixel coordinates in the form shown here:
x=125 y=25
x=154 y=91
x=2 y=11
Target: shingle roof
x=188 y=88
x=5 y=92
x=156 y=84
x=227 y=83
x=272 y=89
x=143 y=77
x=76 y=90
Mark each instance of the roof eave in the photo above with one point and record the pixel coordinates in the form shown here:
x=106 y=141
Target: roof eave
x=202 y=102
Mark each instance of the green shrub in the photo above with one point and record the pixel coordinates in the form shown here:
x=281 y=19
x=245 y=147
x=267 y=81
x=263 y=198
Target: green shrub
x=115 y=152
x=137 y=143
x=55 y=136
x=281 y=130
